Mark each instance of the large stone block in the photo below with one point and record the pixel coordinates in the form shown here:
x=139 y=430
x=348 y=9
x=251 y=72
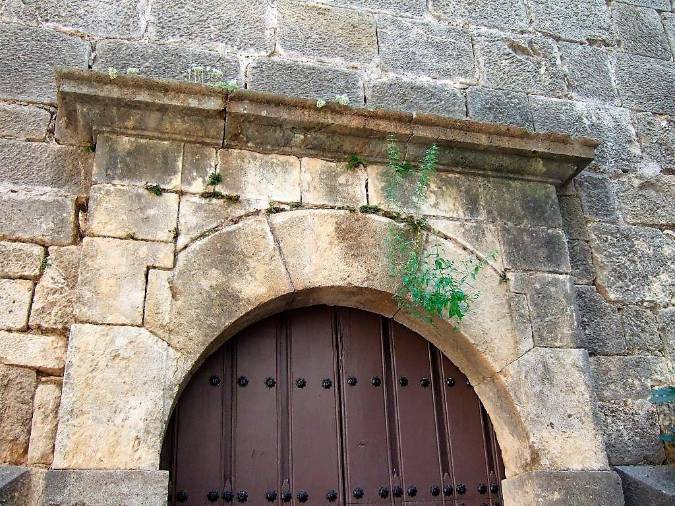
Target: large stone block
x=667 y=329
x=519 y=63
x=430 y=49
x=634 y=264
x=55 y=293
x=198 y=163
x=413 y=7
x=657 y=138
x=399 y=94
x=479 y=238
x=581 y=261
x=499 y=106
x=36 y=351
x=17 y=386
x=105 y=488
x=23 y=122
x=653 y=485
x=646 y=83
x=333 y=184
x=45 y=418
x=640 y=327
x=631 y=377
x=15 y=297
x=167 y=61
x=536 y=249
x=44 y=165
x=114 y=399
x=573 y=19
x=589 y=72
x=522 y=203
x=128 y=212
x=600 y=324
x=32 y=78
x=598 y=198
x=304 y=80
x=260 y=176
x=640 y=31
x=573 y=222
x=36 y=218
x=111 y=286
x=19 y=260
x=647 y=200
x=663 y=5
x=322 y=31
x=15 y=483
x=509 y=14
x=134 y=161
x=226 y=24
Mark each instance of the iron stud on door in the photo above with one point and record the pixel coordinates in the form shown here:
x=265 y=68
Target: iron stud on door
x=383 y=492
x=271 y=495
x=213 y=496
x=286 y=497
x=358 y=493
x=331 y=496
x=448 y=490
x=302 y=496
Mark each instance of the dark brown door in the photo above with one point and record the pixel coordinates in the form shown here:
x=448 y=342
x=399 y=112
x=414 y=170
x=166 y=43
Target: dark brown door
x=325 y=406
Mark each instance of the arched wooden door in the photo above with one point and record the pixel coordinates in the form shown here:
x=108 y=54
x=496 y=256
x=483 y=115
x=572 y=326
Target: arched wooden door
x=324 y=406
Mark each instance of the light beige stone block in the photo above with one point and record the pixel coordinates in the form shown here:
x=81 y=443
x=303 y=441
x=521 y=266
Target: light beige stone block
x=18 y=260
x=55 y=293
x=17 y=386
x=15 y=296
x=332 y=184
x=479 y=238
x=198 y=162
x=111 y=286
x=41 y=352
x=113 y=401
x=45 y=420
x=132 y=213
x=37 y=218
x=259 y=176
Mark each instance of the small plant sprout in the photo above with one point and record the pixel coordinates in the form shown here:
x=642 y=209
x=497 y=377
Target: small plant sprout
x=214 y=179
x=113 y=72
x=320 y=103
x=155 y=189
x=214 y=74
x=355 y=161
x=133 y=71
x=341 y=99
x=196 y=74
x=226 y=86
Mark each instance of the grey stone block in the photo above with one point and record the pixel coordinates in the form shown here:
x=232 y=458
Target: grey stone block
x=227 y=24
x=646 y=83
x=599 y=322
x=652 y=485
x=166 y=61
x=634 y=264
x=105 y=488
x=573 y=222
x=641 y=330
x=631 y=377
x=572 y=19
x=304 y=80
x=589 y=73
x=663 y=5
x=509 y=14
x=23 y=122
x=28 y=57
x=563 y=488
x=647 y=200
x=522 y=203
x=640 y=31
x=581 y=260
x=519 y=63
x=669 y=25
x=412 y=7
x=657 y=138
x=598 y=200
x=667 y=329
x=499 y=106
x=41 y=219
x=322 y=31
x=121 y=18
x=14 y=484
x=416 y=96
x=536 y=249
x=429 y=49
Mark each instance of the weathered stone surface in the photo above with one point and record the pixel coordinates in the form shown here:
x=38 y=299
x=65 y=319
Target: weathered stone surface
x=561 y=427
x=641 y=330
x=430 y=49
x=573 y=19
x=631 y=377
x=573 y=222
x=669 y=25
x=563 y=488
x=304 y=80
x=581 y=260
x=166 y=61
x=479 y=238
x=129 y=160
x=654 y=4
x=521 y=203
x=519 y=63
x=105 y=488
x=17 y=386
x=23 y=122
x=213 y=23
x=322 y=31
x=45 y=418
x=667 y=329
x=415 y=7
x=42 y=352
x=19 y=260
x=128 y=212
x=631 y=432
x=55 y=293
x=15 y=296
x=45 y=165
x=653 y=485
x=521 y=320
x=114 y=399
x=536 y=249
x=499 y=106
x=111 y=286
x=198 y=162
x=15 y=482
x=32 y=78
x=259 y=176
x=646 y=83
x=598 y=199
x=36 y=218
x=640 y=31
x=330 y=183
x=634 y=264
x=599 y=322
x=509 y=14
x=589 y=72
x=647 y=200
x=657 y=137
x=415 y=96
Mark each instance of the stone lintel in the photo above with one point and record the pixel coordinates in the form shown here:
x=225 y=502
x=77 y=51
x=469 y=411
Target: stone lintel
x=91 y=103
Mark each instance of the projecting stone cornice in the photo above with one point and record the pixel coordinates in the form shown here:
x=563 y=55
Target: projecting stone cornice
x=90 y=103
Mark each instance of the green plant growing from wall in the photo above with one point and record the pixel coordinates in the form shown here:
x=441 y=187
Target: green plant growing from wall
x=665 y=395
